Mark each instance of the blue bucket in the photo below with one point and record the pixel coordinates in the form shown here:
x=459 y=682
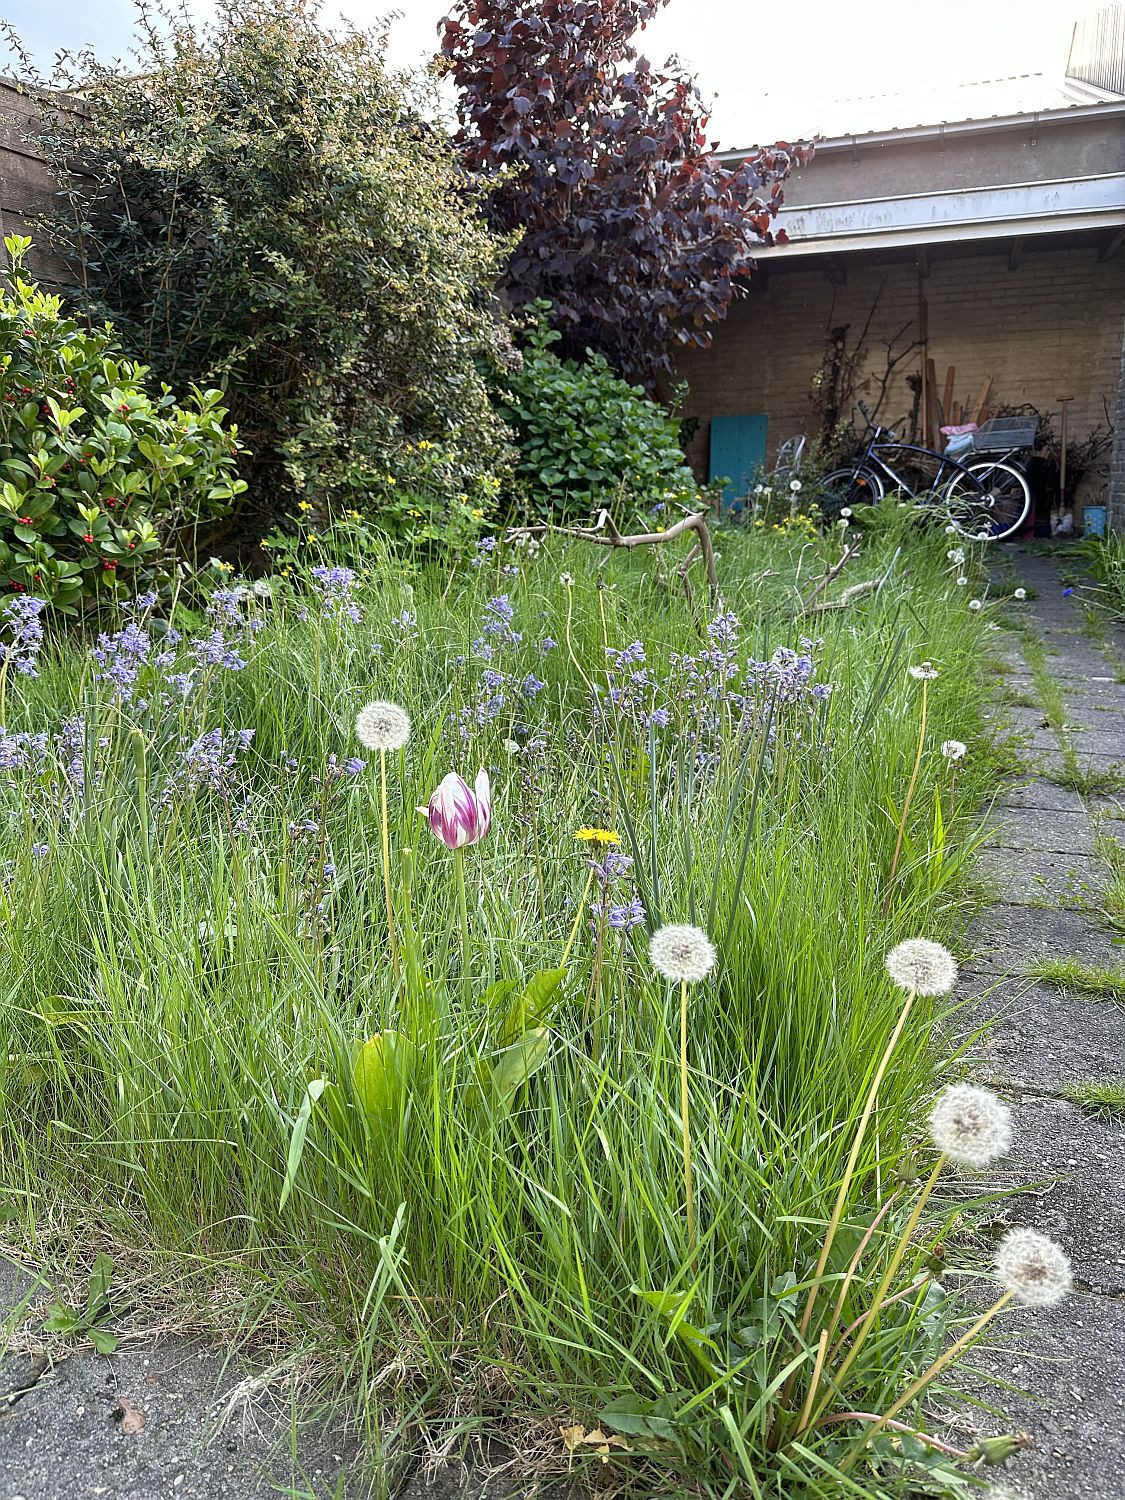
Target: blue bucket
x=1093 y=520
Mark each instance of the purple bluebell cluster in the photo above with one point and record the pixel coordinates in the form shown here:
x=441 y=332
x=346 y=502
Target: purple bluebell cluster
x=21 y=634
x=209 y=764
x=485 y=546
x=336 y=587
x=407 y=625
x=22 y=751
x=619 y=906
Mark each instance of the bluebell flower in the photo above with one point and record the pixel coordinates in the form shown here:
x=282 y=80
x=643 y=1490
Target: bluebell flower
x=335 y=586
x=19 y=622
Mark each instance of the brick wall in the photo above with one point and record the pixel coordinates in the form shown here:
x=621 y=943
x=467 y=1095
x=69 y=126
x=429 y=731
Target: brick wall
x=1050 y=327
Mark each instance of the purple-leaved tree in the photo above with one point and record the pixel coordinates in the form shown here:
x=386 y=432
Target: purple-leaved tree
x=629 y=226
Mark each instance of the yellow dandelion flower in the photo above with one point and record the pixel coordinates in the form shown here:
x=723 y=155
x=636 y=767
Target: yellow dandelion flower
x=304 y=506
x=597 y=836
x=311 y=537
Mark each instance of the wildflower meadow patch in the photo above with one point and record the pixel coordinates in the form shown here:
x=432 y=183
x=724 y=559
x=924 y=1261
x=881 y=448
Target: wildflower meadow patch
x=519 y=990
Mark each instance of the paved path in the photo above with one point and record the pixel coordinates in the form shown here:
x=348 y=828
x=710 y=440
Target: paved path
x=1046 y=868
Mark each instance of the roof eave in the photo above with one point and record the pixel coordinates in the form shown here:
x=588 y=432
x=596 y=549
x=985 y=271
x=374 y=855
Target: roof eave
x=1110 y=109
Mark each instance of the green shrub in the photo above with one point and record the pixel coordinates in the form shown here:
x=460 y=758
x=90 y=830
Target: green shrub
x=585 y=436
x=90 y=461
x=272 y=213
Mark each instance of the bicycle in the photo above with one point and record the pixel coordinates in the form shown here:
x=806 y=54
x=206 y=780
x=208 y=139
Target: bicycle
x=986 y=501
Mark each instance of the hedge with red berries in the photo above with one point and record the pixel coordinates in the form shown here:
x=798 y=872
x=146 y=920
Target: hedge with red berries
x=96 y=471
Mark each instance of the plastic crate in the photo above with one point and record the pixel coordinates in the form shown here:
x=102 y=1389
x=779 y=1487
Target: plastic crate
x=1001 y=434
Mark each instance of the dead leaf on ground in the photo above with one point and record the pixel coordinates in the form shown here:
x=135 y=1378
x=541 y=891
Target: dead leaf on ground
x=131 y=1418
x=577 y=1437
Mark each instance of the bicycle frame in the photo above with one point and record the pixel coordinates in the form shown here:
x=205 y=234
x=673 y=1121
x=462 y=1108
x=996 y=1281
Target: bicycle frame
x=886 y=471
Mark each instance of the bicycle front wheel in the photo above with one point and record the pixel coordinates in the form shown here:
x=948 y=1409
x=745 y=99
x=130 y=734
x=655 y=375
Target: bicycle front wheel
x=844 y=488
x=989 y=502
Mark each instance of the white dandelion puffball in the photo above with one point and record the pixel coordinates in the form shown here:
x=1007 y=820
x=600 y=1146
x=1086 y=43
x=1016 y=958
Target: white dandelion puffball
x=795 y=486
x=1020 y=594
x=922 y=966
x=846 y=512
x=925 y=671
x=951 y=530
x=970 y=1126
x=382 y=726
x=954 y=749
x=682 y=953
x=962 y=581
x=567 y=580
x=1033 y=1268
x=975 y=604
x=956 y=554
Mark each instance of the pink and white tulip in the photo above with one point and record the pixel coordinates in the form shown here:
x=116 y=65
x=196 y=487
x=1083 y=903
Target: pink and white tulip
x=460 y=814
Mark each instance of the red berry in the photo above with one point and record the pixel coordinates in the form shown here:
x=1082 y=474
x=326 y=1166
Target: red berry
x=109 y=566
x=25 y=520
x=88 y=537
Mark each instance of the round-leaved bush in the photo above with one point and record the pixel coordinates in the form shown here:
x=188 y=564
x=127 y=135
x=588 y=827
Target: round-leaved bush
x=91 y=462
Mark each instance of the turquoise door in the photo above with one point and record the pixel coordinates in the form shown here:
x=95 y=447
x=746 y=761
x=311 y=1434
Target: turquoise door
x=738 y=453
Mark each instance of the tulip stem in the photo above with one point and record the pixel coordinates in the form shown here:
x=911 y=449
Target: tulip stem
x=463 y=903
x=391 y=937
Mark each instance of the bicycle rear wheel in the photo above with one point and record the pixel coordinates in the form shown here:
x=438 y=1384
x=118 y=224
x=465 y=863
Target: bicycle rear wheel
x=991 y=505
x=844 y=488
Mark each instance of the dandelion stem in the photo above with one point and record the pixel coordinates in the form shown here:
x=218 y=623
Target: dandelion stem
x=387 y=862
x=577 y=920
x=871 y=1416
x=867 y=1321
x=689 y=1191
x=909 y=798
x=849 y=1170
x=926 y=1376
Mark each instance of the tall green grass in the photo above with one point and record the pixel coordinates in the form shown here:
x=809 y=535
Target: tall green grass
x=183 y=1023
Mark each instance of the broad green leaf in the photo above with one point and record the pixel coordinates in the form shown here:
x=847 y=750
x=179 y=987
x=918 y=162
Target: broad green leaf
x=104 y=1343
x=380 y=1071
x=523 y=1058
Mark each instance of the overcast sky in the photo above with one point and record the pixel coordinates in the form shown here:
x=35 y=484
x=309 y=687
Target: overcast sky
x=772 y=67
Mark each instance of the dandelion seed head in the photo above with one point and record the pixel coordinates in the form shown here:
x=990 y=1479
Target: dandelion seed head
x=1020 y=594
x=567 y=580
x=962 y=581
x=970 y=1125
x=1033 y=1268
x=954 y=749
x=925 y=671
x=923 y=966
x=382 y=726
x=682 y=953
x=975 y=604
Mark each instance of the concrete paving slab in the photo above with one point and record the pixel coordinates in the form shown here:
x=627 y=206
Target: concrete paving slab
x=1006 y=938
x=1079 y=1160
x=1061 y=832
x=1040 y=795
x=1067 y=1362
x=1042 y=1038
x=1027 y=877
x=145 y=1424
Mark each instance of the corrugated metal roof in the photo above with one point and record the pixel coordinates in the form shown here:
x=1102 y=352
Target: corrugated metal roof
x=918 y=109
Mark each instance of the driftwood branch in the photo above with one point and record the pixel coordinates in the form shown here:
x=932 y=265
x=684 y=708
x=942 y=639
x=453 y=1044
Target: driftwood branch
x=604 y=533
x=832 y=573
x=849 y=596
